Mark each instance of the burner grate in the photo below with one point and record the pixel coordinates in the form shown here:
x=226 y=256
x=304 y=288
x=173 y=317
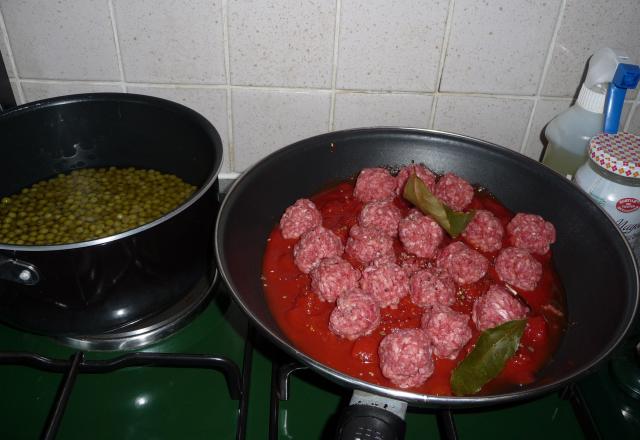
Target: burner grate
x=237 y=381
x=283 y=371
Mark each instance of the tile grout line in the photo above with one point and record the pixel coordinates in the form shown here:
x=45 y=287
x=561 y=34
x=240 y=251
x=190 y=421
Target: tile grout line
x=334 y=70
x=294 y=89
x=543 y=75
x=231 y=150
x=112 y=16
x=443 y=54
x=5 y=35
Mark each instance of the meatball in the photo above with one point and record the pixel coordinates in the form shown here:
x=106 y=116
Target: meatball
x=496 y=307
x=420 y=234
x=406 y=357
x=531 y=232
x=315 y=245
x=484 y=232
x=383 y=215
x=299 y=218
x=374 y=184
x=421 y=171
x=449 y=330
x=454 y=191
x=333 y=277
x=519 y=268
x=356 y=314
x=462 y=263
x=368 y=244
x=411 y=264
x=386 y=282
x=432 y=286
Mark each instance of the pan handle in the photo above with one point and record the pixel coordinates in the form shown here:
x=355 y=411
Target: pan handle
x=372 y=416
x=18 y=271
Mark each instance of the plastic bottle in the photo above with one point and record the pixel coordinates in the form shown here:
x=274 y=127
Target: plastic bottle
x=568 y=134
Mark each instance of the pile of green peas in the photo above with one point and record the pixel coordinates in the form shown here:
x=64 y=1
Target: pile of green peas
x=87 y=204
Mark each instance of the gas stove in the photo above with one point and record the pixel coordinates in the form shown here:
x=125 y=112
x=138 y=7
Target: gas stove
x=218 y=378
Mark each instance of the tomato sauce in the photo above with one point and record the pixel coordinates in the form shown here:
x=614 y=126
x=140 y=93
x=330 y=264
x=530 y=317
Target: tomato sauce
x=304 y=318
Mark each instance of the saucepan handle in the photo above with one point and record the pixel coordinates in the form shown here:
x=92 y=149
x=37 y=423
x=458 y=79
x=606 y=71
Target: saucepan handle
x=372 y=416
x=18 y=271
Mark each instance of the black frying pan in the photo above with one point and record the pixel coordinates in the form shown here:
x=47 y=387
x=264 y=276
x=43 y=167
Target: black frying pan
x=593 y=259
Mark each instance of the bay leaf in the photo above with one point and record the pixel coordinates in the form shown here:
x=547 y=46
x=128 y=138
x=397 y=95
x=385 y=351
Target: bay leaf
x=417 y=192
x=487 y=359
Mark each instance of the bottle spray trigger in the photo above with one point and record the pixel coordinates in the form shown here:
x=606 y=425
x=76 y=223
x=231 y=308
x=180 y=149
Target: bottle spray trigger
x=626 y=77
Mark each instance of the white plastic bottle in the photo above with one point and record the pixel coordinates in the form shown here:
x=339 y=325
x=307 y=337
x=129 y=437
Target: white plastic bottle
x=568 y=134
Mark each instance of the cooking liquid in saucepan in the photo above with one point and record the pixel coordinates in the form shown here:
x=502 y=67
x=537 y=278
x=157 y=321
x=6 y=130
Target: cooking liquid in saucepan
x=87 y=204
x=304 y=318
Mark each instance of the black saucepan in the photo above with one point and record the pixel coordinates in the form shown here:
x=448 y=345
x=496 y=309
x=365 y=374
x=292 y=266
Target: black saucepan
x=593 y=259
x=102 y=285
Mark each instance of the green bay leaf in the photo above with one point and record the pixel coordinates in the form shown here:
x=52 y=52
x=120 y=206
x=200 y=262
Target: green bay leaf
x=487 y=359
x=417 y=192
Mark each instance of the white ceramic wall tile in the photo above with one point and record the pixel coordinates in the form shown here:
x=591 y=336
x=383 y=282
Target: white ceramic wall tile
x=390 y=45
x=285 y=43
x=171 y=41
x=15 y=88
x=585 y=28
x=545 y=111
x=498 y=120
x=211 y=103
x=4 y=51
x=265 y=121
x=67 y=39
x=498 y=46
x=354 y=110
x=34 y=91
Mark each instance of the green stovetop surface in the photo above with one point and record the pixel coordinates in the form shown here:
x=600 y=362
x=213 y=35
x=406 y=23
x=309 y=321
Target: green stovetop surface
x=161 y=403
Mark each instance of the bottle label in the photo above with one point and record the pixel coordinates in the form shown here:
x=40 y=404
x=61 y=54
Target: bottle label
x=621 y=202
x=628 y=204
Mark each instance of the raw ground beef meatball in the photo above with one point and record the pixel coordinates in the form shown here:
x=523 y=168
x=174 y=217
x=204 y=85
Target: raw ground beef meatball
x=356 y=314
x=484 y=232
x=315 y=245
x=411 y=264
x=333 y=277
x=386 y=282
x=531 y=232
x=496 y=307
x=449 y=330
x=420 y=234
x=421 y=171
x=432 y=286
x=462 y=263
x=299 y=218
x=406 y=357
x=383 y=215
x=374 y=184
x=519 y=268
x=368 y=244
x=454 y=191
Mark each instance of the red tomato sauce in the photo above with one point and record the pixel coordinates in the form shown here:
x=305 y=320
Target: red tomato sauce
x=304 y=318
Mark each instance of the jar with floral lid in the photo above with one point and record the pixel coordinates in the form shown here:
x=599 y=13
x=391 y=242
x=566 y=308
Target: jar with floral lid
x=611 y=176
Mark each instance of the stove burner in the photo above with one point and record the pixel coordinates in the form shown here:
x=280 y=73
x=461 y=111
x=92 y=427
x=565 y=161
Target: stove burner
x=153 y=329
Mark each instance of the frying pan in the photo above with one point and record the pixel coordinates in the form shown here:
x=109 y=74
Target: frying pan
x=594 y=261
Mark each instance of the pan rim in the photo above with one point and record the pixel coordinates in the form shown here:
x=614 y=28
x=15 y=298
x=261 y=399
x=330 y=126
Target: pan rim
x=208 y=129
